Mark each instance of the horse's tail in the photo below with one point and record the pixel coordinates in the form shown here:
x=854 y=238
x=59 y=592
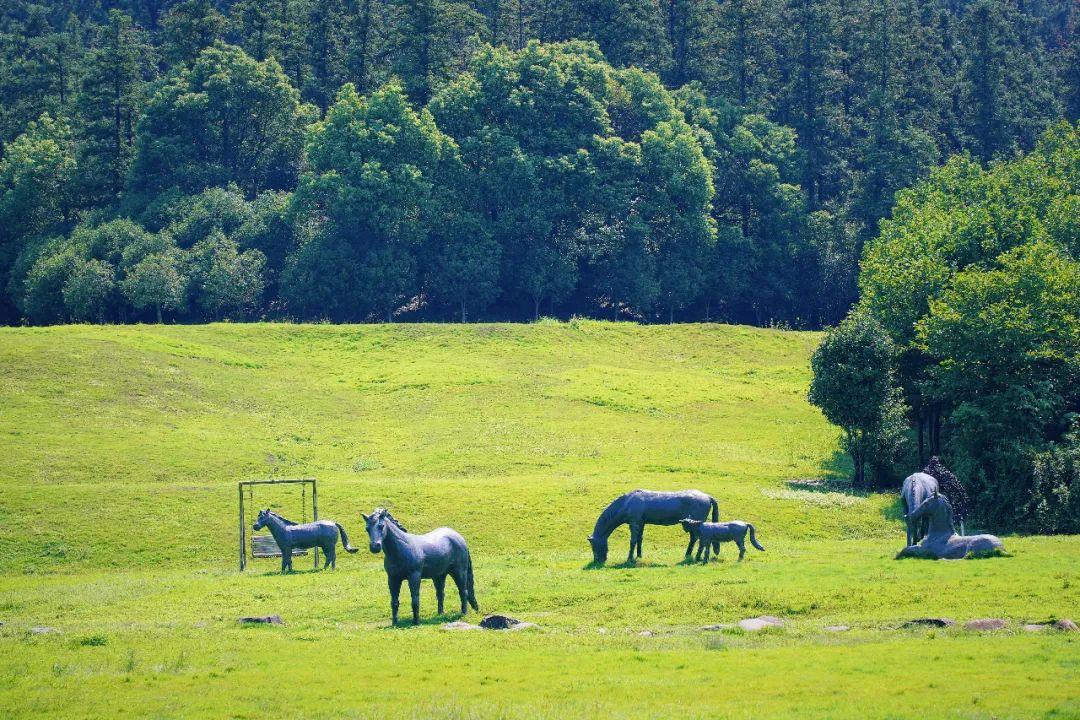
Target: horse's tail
x=345 y=539
x=715 y=509
x=753 y=538
x=469 y=590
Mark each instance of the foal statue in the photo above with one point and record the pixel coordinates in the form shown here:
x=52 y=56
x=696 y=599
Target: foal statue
x=434 y=555
x=289 y=536
x=710 y=535
x=941 y=541
x=646 y=507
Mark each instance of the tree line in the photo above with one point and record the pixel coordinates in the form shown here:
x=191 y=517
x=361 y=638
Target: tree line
x=377 y=159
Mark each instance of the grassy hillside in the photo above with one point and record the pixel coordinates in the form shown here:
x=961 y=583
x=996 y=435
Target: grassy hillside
x=118 y=529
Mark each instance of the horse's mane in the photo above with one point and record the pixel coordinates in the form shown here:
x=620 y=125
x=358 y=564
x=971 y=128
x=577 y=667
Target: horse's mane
x=282 y=519
x=603 y=522
x=383 y=512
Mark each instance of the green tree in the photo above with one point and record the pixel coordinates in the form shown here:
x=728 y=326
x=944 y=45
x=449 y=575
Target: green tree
x=226 y=119
x=89 y=289
x=156 y=281
x=226 y=281
x=364 y=206
x=853 y=384
x=190 y=27
x=107 y=107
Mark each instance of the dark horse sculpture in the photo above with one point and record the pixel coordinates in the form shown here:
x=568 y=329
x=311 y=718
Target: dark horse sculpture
x=712 y=534
x=917 y=488
x=434 y=555
x=941 y=541
x=289 y=536
x=647 y=507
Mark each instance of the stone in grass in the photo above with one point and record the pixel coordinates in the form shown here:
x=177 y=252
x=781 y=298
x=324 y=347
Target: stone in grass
x=985 y=624
x=760 y=623
x=460 y=625
x=718 y=626
x=931 y=622
x=1066 y=625
x=42 y=630
x=1034 y=627
x=646 y=633
x=837 y=628
x=498 y=622
x=262 y=620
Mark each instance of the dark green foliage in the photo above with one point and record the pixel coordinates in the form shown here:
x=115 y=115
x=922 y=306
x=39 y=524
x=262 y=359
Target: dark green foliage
x=226 y=119
x=977 y=280
x=854 y=385
x=572 y=192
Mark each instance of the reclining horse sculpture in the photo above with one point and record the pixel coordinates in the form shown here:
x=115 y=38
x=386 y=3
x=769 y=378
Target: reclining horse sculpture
x=289 y=536
x=941 y=541
x=647 y=507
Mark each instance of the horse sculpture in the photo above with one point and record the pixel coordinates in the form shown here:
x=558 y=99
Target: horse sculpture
x=941 y=541
x=289 y=536
x=647 y=507
x=917 y=488
x=434 y=555
x=712 y=534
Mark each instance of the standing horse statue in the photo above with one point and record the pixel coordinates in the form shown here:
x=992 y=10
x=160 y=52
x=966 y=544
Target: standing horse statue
x=647 y=507
x=941 y=541
x=290 y=536
x=434 y=555
x=917 y=488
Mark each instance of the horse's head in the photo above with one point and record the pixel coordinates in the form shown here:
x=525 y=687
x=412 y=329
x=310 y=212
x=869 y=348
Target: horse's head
x=599 y=549
x=376 y=524
x=264 y=517
x=690 y=525
x=929 y=506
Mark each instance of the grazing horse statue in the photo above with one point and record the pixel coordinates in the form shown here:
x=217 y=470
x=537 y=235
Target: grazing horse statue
x=712 y=534
x=941 y=541
x=289 y=536
x=917 y=488
x=434 y=555
x=646 y=507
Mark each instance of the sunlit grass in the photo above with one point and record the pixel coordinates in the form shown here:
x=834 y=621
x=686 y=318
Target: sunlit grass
x=118 y=530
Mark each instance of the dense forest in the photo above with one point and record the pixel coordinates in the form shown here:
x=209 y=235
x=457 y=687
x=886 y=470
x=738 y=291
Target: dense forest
x=354 y=160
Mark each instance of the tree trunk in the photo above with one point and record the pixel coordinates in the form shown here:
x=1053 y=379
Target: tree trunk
x=158 y=308
x=463 y=308
x=536 y=307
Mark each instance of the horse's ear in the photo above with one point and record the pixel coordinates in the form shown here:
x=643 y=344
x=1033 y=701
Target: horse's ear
x=366 y=518
x=590 y=538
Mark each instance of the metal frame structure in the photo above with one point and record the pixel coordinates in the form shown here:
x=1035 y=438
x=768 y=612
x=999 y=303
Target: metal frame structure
x=243 y=522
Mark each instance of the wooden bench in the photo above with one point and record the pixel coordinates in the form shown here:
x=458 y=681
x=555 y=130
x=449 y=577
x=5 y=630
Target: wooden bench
x=265 y=546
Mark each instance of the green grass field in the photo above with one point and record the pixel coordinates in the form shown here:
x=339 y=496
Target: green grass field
x=121 y=448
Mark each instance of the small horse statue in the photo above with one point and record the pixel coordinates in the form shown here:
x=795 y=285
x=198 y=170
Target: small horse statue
x=434 y=555
x=710 y=535
x=941 y=541
x=917 y=487
x=289 y=535
x=647 y=507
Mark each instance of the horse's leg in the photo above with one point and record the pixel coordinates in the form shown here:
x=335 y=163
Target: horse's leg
x=330 y=554
x=700 y=549
x=742 y=547
x=708 y=547
x=440 y=590
x=640 y=537
x=634 y=531
x=286 y=560
x=690 y=547
x=414 y=592
x=394 y=581
x=460 y=580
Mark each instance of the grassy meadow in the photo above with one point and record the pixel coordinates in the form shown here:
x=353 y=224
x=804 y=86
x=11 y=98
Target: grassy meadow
x=121 y=448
